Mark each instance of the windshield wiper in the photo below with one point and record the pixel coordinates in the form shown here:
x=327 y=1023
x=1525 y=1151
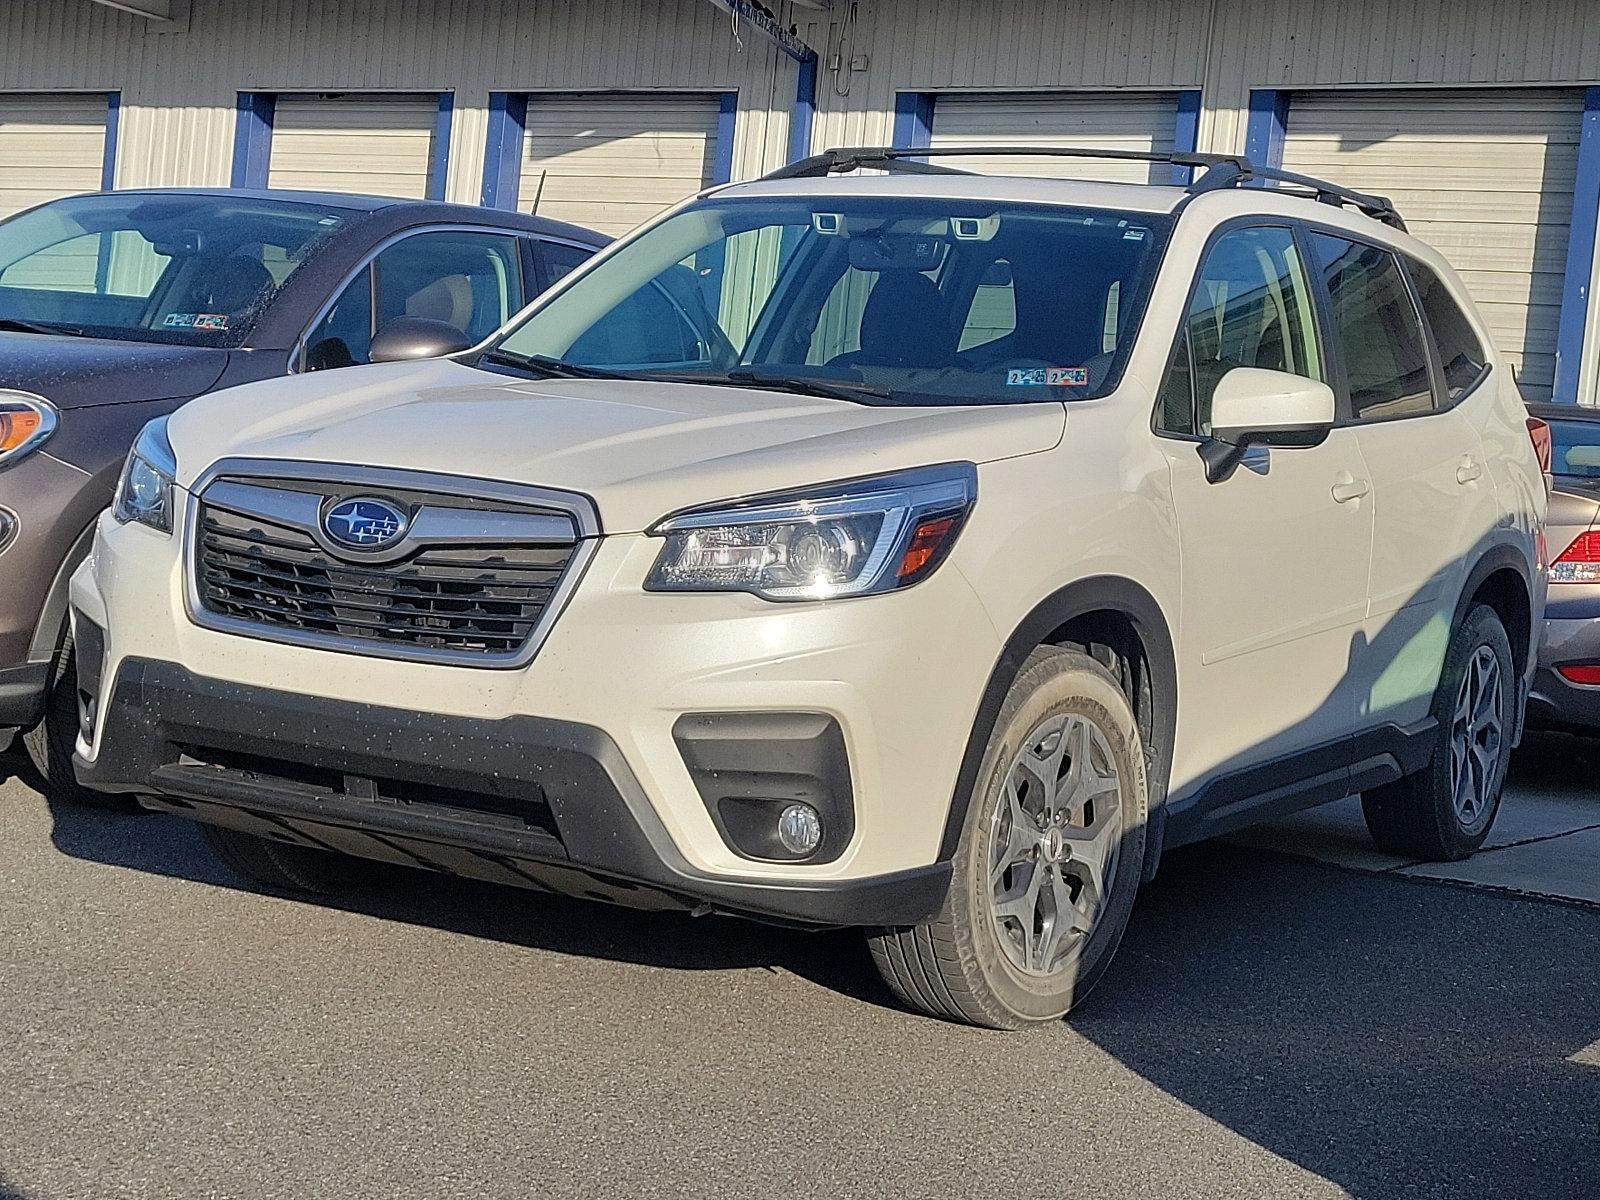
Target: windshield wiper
x=13 y=325
x=799 y=385
x=548 y=368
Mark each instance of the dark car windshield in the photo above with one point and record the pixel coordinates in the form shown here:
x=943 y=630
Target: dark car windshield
x=187 y=269
x=873 y=299
x=1575 y=448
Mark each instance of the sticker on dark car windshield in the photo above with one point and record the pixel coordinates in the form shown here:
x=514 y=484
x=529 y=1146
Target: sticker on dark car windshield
x=1048 y=377
x=212 y=321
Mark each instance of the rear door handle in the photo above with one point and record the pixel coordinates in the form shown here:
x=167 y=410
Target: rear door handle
x=1347 y=488
x=1469 y=469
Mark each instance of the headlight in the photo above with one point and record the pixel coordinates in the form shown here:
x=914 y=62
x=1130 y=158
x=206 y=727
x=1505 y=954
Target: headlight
x=145 y=492
x=847 y=539
x=26 y=422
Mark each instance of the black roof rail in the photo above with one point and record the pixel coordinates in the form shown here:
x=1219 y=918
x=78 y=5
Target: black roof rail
x=1220 y=170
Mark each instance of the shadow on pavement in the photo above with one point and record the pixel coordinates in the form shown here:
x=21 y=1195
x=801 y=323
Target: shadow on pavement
x=1393 y=1037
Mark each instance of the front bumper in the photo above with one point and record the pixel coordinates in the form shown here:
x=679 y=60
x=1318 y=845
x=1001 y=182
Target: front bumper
x=521 y=800
x=654 y=691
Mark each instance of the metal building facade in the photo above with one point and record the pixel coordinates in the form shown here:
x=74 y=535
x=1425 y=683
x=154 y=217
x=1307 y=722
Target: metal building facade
x=182 y=96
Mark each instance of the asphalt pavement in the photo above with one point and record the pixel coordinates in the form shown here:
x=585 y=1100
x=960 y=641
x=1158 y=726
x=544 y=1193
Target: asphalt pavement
x=1273 y=1027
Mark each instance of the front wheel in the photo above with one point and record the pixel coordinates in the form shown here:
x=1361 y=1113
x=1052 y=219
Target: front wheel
x=285 y=867
x=1445 y=811
x=51 y=742
x=1049 y=859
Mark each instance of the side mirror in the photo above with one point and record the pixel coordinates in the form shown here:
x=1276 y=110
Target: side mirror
x=416 y=337
x=1256 y=407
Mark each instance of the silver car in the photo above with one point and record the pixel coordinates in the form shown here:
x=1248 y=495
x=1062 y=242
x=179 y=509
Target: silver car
x=1566 y=691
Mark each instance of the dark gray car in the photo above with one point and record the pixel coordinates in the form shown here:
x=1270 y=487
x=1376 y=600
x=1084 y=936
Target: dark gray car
x=1566 y=692
x=119 y=307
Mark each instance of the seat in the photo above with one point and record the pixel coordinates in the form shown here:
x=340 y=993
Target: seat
x=906 y=322
x=448 y=299
x=232 y=287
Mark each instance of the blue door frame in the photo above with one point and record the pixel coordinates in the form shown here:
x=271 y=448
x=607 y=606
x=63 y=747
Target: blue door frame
x=252 y=141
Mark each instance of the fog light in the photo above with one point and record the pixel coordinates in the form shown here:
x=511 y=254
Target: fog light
x=8 y=526
x=800 y=829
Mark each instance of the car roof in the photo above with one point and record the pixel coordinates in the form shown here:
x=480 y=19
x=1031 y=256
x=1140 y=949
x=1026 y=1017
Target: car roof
x=394 y=207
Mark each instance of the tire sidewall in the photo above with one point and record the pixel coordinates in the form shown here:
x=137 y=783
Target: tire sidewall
x=1061 y=683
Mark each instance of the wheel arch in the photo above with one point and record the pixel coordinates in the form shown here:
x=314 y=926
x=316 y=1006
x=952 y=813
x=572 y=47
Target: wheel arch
x=1110 y=617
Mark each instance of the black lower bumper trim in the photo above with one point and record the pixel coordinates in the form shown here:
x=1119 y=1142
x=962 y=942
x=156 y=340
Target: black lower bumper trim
x=22 y=692
x=443 y=792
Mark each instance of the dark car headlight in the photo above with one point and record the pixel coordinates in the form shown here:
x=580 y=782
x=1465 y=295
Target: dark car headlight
x=26 y=423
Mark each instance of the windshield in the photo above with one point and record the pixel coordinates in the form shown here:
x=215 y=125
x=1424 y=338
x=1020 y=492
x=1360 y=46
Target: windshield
x=878 y=300
x=187 y=269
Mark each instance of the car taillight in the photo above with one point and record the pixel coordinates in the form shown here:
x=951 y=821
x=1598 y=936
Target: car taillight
x=1579 y=562
x=1539 y=433
x=1587 y=674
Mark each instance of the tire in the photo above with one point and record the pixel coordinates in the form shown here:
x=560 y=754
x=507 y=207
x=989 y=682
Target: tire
x=284 y=867
x=976 y=962
x=1431 y=815
x=51 y=742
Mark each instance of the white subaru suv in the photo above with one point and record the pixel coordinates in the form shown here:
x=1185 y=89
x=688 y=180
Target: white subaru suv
x=918 y=550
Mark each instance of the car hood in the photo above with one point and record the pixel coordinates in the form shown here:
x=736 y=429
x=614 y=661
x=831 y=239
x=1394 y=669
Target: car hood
x=80 y=372
x=640 y=449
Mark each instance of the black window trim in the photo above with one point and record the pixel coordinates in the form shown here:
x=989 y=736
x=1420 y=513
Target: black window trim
x=1409 y=265
x=1442 y=404
x=1326 y=352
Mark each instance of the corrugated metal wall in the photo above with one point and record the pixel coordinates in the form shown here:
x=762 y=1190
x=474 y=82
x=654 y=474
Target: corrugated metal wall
x=178 y=88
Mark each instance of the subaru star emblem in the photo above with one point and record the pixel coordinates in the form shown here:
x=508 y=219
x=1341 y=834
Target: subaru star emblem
x=364 y=523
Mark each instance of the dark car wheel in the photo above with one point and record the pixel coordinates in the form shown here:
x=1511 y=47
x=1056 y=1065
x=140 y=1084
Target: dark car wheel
x=50 y=743
x=1049 y=860
x=1445 y=811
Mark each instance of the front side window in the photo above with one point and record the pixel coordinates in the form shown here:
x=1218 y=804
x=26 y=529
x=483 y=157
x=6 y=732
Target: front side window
x=1376 y=325
x=187 y=269
x=1251 y=306
x=1460 y=349
x=876 y=299
x=470 y=280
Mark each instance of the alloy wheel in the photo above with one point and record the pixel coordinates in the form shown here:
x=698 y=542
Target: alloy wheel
x=1476 y=733
x=1056 y=832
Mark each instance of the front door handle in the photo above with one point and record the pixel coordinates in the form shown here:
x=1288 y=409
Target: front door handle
x=1347 y=488
x=1469 y=469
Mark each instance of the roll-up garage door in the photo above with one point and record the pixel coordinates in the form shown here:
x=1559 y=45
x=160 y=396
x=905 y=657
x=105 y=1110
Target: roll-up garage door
x=1103 y=121
x=50 y=145
x=613 y=161
x=380 y=145
x=1484 y=176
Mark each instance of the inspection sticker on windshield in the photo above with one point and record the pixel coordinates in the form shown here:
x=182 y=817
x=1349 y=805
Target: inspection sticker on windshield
x=196 y=321
x=1049 y=377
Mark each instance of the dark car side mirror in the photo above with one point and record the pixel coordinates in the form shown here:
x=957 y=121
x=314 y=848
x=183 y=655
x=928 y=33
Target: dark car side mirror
x=416 y=337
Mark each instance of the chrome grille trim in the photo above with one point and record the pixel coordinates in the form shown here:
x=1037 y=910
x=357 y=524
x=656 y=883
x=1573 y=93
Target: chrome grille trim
x=271 y=584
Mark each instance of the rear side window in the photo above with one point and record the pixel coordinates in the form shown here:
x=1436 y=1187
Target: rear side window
x=1251 y=307
x=1460 y=351
x=1377 y=328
